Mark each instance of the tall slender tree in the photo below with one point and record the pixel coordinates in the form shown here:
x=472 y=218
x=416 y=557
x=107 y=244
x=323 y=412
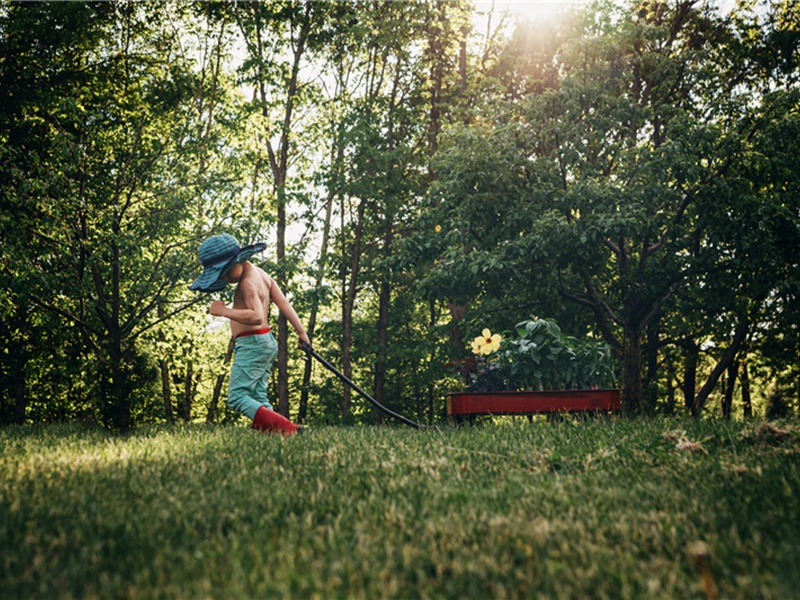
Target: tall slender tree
x=279 y=37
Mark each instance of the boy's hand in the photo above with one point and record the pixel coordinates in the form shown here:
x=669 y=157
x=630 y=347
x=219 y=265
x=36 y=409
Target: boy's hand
x=217 y=308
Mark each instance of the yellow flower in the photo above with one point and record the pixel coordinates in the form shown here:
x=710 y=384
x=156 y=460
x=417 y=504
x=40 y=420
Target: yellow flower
x=438 y=228
x=486 y=343
x=476 y=345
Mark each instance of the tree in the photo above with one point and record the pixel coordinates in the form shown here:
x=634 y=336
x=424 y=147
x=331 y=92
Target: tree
x=392 y=129
x=606 y=188
x=111 y=200
x=271 y=32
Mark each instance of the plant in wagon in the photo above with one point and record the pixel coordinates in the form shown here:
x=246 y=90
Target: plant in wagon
x=536 y=369
x=542 y=357
x=538 y=357
x=483 y=373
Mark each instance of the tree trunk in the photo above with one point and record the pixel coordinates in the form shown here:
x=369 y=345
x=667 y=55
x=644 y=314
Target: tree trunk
x=434 y=318
x=312 y=319
x=747 y=404
x=436 y=53
x=349 y=300
x=118 y=407
x=796 y=376
x=283 y=167
x=457 y=314
x=122 y=412
x=632 y=372
x=212 y=408
x=739 y=336
x=166 y=389
x=383 y=342
x=20 y=364
x=388 y=239
x=283 y=325
x=186 y=404
x=730 y=385
x=116 y=388
x=651 y=348
x=163 y=365
x=690 y=374
x=669 y=409
x=302 y=411
x=279 y=165
x=20 y=394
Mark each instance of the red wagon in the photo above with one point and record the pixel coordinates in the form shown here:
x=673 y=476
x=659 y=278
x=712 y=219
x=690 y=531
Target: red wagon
x=530 y=402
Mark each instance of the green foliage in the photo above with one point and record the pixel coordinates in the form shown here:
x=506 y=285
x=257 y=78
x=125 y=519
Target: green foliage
x=626 y=187
x=477 y=512
x=539 y=356
x=124 y=137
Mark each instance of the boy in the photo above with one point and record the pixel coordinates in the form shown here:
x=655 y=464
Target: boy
x=224 y=262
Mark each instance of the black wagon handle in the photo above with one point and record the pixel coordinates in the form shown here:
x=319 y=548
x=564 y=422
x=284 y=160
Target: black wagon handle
x=310 y=351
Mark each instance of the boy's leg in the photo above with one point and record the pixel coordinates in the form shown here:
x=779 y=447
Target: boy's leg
x=250 y=365
x=248 y=386
x=269 y=420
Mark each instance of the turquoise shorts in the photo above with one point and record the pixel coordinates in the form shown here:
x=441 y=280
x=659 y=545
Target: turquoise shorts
x=250 y=373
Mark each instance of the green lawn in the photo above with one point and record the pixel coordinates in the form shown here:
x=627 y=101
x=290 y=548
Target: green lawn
x=599 y=508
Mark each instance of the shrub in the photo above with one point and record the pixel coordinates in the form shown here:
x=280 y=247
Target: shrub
x=540 y=357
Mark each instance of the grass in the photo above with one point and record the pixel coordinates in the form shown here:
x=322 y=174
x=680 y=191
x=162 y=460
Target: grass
x=594 y=509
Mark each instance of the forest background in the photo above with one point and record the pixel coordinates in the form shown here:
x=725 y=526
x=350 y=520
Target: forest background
x=420 y=171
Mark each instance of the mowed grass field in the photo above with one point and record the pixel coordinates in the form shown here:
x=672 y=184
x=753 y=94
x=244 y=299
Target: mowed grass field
x=599 y=508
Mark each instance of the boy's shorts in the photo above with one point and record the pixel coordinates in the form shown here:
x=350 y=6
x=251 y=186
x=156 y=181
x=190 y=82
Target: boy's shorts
x=250 y=373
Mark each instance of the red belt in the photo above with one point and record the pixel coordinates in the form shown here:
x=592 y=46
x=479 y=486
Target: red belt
x=253 y=332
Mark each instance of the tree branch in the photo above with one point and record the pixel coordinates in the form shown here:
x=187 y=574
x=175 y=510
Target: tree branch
x=166 y=317
x=602 y=321
x=87 y=329
x=739 y=336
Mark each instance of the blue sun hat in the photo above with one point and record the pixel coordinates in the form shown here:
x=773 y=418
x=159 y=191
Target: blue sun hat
x=218 y=254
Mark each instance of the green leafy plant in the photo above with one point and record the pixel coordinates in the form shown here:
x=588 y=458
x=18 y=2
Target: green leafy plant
x=542 y=357
x=539 y=357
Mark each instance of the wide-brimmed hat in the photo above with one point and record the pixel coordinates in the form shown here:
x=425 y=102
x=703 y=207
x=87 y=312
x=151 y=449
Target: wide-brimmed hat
x=218 y=254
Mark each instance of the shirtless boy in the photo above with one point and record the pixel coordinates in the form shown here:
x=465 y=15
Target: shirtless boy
x=254 y=345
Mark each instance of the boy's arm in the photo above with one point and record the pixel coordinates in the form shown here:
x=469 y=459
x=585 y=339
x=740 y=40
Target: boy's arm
x=251 y=314
x=283 y=305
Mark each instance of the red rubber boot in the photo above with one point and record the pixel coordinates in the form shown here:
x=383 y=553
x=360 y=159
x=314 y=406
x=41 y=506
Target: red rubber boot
x=272 y=422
